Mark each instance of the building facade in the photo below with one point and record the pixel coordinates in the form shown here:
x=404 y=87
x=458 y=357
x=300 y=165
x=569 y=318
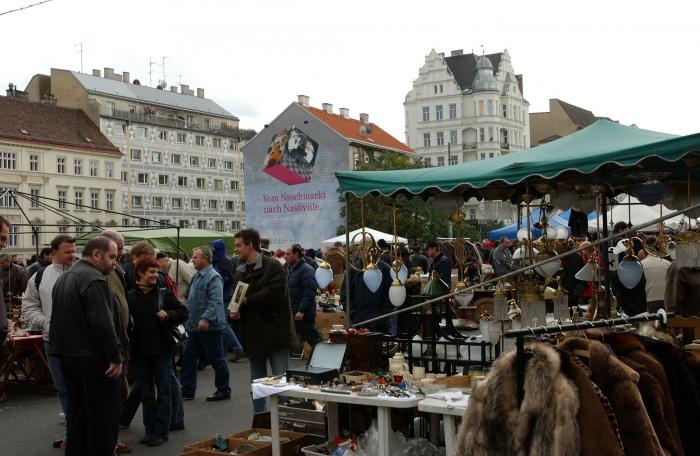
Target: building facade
x=64 y=170
x=561 y=120
x=181 y=162
x=464 y=108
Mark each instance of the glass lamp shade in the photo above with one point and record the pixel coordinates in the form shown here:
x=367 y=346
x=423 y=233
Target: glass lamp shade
x=372 y=277
x=534 y=313
x=563 y=198
x=402 y=275
x=551 y=232
x=630 y=271
x=549 y=269
x=490 y=330
x=464 y=298
x=416 y=349
x=522 y=234
x=500 y=308
x=324 y=275
x=586 y=272
x=561 y=307
x=397 y=293
x=520 y=253
x=562 y=233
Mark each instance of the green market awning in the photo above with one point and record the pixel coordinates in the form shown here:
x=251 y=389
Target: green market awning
x=596 y=153
x=165 y=239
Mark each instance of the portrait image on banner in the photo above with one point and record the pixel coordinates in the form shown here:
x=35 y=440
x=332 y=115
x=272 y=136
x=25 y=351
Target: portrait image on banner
x=291 y=156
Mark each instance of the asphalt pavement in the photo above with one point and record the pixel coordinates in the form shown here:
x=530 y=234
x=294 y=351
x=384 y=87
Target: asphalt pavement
x=29 y=423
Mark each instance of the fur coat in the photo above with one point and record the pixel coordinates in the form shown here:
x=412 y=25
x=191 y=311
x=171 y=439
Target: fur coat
x=545 y=424
x=619 y=383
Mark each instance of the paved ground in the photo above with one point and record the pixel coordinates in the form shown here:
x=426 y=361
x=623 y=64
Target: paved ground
x=30 y=422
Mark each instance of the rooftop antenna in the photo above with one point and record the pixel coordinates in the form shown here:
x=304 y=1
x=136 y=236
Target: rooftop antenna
x=163 y=67
x=482 y=50
x=81 y=53
x=150 y=71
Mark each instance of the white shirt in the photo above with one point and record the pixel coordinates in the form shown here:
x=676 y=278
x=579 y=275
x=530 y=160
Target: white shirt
x=37 y=304
x=655 y=274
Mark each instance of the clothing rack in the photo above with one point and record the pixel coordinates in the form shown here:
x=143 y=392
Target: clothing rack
x=520 y=335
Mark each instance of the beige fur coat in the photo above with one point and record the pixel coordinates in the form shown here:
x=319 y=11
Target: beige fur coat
x=544 y=425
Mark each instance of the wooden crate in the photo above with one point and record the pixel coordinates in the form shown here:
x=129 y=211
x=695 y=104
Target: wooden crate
x=204 y=448
x=297 y=440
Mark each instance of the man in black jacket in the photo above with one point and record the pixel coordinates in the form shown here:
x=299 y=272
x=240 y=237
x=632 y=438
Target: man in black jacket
x=4 y=234
x=439 y=263
x=88 y=337
x=302 y=294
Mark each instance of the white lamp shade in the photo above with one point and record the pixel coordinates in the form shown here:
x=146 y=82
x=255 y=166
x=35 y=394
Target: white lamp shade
x=324 y=276
x=490 y=330
x=520 y=253
x=372 y=278
x=551 y=232
x=585 y=273
x=402 y=276
x=563 y=198
x=630 y=272
x=562 y=233
x=522 y=234
x=397 y=294
x=620 y=247
x=549 y=269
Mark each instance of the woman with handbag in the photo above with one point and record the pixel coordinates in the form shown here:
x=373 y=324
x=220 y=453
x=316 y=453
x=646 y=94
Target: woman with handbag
x=156 y=313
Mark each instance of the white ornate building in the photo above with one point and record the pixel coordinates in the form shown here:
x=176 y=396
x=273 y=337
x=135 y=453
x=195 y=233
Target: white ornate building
x=181 y=159
x=465 y=108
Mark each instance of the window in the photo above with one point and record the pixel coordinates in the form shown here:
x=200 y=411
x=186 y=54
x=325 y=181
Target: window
x=453 y=137
x=428 y=161
x=182 y=181
x=36 y=238
x=438 y=112
x=132 y=108
x=228 y=165
x=184 y=223
x=194 y=160
x=453 y=111
x=216 y=142
x=491 y=134
x=135 y=154
x=157 y=202
x=164 y=221
x=441 y=161
x=142 y=178
x=195 y=204
x=13 y=236
x=440 y=88
x=8 y=160
x=504 y=137
x=61 y=165
x=61 y=199
x=242 y=166
x=136 y=201
x=234 y=185
x=93 y=168
x=490 y=154
x=489 y=107
x=235 y=225
x=219 y=225
x=481 y=134
x=109 y=169
x=483 y=156
x=218 y=184
x=426 y=113
x=7 y=200
x=78 y=166
x=505 y=110
x=177 y=203
x=453 y=160
x=35 y=197
x=181 y=138
x=175 y=159
x=440 y=138
x=481 y=107
x=435 y=89
x=243 y=205
x=207 y=123
x=472 y=214
x=78 y=199
x=211 y=162
x=119 y=129
x=163 y=179
x=33 y=163
x=199 y=140
x=200 y=183
x=163 y=135
x=125 y=222
x=109 y=201
x=125 y=176
x=202 y=224
x=190 y=121
x=110 y=108
x=230 y=206
x=141 y=132
x=63 y=229
x=426 y=139
x=156 y=157
x=94 y=199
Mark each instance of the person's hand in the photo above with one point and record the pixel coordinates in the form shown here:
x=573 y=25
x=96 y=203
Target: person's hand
x=162 y=315
x=203 y=325
x=114 y=371
x=299 y=316
x=234 y=315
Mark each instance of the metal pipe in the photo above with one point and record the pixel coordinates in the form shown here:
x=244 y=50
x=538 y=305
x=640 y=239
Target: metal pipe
x=347 y=259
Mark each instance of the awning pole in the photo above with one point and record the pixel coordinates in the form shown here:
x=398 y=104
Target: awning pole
x=347 y=259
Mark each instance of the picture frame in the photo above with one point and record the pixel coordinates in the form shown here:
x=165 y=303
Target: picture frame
x=237 y=297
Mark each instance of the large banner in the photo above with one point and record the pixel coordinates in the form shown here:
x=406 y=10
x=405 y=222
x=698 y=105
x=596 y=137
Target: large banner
x=290 y=189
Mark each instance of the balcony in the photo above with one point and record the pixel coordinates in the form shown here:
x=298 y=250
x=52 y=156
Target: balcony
x=470 y=146
x=505 y=145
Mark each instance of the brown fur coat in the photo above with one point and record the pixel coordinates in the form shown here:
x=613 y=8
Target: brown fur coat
x=544 y=425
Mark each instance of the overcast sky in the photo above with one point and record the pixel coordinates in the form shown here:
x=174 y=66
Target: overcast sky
x=633 y=61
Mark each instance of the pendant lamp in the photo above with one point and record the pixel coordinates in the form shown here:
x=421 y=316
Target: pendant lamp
x=630 y=271
x=372 y=277
x=402 y=274
x=324 y=275
x=397 y=293
x=562 y=233
x=586 y=272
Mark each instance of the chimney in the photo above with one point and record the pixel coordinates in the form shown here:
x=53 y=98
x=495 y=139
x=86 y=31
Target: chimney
x=97 y=73
x=200 y=93
x=12 y=92
x=126 y=77
x=345 y=113
x=303 y=100
x=328 y=108
x=457 y=52
x=364 y=118
x=185 y=89
x=173 y=89
x=109 y=73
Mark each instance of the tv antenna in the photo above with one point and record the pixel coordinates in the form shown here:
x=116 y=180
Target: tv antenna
x=163 y=68
x=81 y=51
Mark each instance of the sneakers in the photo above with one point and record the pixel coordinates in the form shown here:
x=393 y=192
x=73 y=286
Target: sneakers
x=122 y=448
x=218 y=396
x=60 y=443
x=152 y=440
x=177 y=427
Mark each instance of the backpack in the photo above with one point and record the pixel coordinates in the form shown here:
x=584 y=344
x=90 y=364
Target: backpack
x=37 y=277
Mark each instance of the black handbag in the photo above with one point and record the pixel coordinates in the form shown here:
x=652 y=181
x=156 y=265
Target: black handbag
x=177 y=332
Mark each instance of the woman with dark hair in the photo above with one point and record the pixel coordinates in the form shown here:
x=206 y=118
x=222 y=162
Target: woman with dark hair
x=154 y=310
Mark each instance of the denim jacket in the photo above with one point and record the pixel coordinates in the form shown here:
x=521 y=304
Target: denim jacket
x=206 y=300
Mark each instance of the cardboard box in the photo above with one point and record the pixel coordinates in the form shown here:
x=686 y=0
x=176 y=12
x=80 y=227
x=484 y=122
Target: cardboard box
x=326 y=320
x=297 y=440
x=204 y=448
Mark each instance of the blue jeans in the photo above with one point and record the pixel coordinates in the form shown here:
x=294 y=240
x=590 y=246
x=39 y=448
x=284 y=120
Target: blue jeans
x=177 y=411
x=154 y=378
x=58 y=382
x=231 y=341
x=211 y=343
x=279 y=362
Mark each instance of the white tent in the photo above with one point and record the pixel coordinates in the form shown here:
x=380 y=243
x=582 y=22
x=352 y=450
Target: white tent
x=377 y=235
x=636 y=214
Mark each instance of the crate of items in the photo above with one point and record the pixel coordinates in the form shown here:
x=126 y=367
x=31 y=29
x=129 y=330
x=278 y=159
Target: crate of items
x=206 y=448
x=291 y=442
